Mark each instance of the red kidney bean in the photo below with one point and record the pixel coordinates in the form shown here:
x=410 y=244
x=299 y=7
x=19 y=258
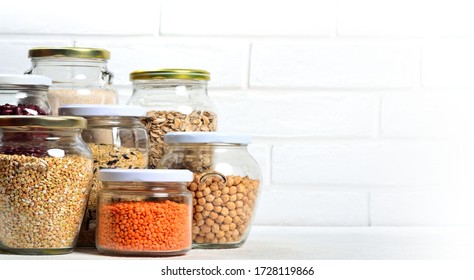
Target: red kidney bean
x=21 y=109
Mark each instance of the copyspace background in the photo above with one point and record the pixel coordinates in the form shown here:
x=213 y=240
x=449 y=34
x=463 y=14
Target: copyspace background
x=360 y=110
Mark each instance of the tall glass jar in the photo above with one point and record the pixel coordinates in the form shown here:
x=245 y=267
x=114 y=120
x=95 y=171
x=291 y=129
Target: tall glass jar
x=226 y=185
x=24 y=95
x=117 y=139
x=45 y=180
x=176 y=100
x=80 y=75
x=144 y=212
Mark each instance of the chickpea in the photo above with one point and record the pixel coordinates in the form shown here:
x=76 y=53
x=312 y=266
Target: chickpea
x=215 y=228
x=213 y=215
x=201 y=201
x=210 y=198
x=193 y=186
x=230 y=205
x=208 y=206
x=209 y=222
x=220 y=219
x=217 y=209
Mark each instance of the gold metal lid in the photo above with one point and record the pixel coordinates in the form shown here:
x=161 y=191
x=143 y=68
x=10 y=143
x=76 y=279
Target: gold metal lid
x=76 y=52
x=170 y=73
x=63 y=122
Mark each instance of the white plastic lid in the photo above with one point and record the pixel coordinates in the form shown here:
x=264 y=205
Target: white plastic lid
x=12 y=79
x=207 y=137
x=145 y=175
x=88 y=110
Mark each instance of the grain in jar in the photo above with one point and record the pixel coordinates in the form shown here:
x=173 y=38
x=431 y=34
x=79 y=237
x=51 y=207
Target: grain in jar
x=117 y=139
x=45 y=180
x=144 y=212
x=79 y=75
x=225 y=188
x=176 y=100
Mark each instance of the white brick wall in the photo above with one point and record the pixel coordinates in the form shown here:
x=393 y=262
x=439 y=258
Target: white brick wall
x=360 y=110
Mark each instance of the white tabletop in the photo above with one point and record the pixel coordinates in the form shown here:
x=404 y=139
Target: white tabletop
x=326 y=243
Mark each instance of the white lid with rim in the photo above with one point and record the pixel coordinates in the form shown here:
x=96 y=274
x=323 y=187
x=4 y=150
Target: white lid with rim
x=145 y=175
x=207 y=137
x=88 y=110
x=14 y=79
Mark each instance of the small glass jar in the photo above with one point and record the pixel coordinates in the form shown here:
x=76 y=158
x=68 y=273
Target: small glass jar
x=117 y=139
x=80 y=75
x=45 y=180
x=24 y=95
x=176 y=100
x=144 y=212
x=225 y=188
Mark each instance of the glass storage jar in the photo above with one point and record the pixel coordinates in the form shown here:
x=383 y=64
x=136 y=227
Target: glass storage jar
x=144 y=212
x=45 y=179
x=117 y=139
x=226 y=185
x=176 y=100
x=80 y=75
x=24 y=95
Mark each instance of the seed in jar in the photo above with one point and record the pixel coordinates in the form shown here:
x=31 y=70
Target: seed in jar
x=106 y=156
x=144 y=226
x=22 y=109
x=231 y=218
x=59 y=97
x=42 y=200
x=158 y=123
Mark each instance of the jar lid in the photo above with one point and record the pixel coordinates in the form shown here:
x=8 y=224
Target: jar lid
x=206 y=137
x=63 y=122
x=145 y=175
x=170 y=73
x=76 y=52
x=15 y=79
x=87 y=110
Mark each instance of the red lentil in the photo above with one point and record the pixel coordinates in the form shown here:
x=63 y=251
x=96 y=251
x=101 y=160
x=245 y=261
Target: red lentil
x=144 y=226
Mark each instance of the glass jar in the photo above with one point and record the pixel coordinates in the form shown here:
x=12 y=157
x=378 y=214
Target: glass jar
x=24 y=95
x=144 y=212
x=225 y=188
x=176 y=100
x=79 y=75
x=45 y=179
x=117 y=139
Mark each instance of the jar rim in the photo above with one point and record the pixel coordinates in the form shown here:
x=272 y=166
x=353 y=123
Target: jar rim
x=24 y=80
x=55 y=122
x=170 y=73
x=88 y=110
x=77 y=52
x=207 y=138
x=145 y=175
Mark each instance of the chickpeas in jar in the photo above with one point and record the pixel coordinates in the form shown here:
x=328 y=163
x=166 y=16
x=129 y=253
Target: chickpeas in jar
x=226 y=185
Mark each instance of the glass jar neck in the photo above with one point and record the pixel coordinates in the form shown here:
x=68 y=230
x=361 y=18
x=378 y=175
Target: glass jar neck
x=34 y=89
x=67 y=71
x=167 y=187
x=115 y=121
